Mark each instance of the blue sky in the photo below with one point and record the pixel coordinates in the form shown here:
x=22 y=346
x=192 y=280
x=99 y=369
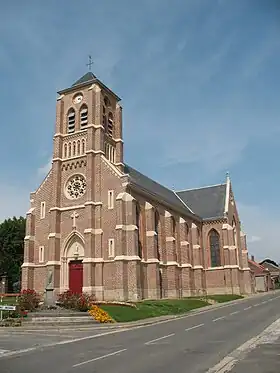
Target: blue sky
x=199 y=81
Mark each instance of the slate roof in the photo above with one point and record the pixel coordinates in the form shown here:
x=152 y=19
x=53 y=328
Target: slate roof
x=162 y=193
x=88 y=77
x=207 y=202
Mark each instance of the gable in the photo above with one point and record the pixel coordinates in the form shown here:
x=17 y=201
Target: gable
x=208 y=202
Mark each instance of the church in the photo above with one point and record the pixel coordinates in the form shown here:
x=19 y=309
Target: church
x=97 y=225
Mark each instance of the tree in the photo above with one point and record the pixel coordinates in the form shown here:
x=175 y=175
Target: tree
x=12 y=233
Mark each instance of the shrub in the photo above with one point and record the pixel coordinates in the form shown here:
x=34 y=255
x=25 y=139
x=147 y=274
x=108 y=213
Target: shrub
x=100 y=315
x=74 y=301
x=28 y=300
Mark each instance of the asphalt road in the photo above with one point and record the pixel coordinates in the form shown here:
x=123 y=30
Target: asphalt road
x=196 y=343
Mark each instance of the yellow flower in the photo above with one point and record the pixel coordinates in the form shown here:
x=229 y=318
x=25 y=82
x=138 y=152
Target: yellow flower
x=99 y=314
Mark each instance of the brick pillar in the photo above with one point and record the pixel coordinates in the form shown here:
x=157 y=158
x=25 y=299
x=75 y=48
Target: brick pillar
x=185 y=260
x=197 y=260
x=119 y=138
x=27 y=273
x=153 y=274
x=127 y=260
x=172 y=290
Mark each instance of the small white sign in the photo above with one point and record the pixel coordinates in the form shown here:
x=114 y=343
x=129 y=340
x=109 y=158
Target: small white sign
x=7 y=308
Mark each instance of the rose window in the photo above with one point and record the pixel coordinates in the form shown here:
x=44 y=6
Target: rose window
x=76 y=187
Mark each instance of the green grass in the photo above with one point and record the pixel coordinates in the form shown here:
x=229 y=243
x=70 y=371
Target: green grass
x=147 y=309
x=9 y=301
x=222 y=298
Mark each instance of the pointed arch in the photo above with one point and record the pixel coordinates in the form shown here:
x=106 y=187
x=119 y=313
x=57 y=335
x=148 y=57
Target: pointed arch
x=74 y=148
x=157 y=230
x=69 y=240
x=139 y=229
x=65 y=151
x=110 y=124
x=83 y=146
x=78 y=147
x=215 y=249
x=71 y=120
x=69 y=150
x=83 y=116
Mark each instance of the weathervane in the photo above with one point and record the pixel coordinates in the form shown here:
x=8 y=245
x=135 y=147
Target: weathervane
x=89 y=62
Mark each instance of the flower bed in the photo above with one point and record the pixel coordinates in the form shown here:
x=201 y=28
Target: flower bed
x=115 y=303
x=100 y=315
x=80 y=302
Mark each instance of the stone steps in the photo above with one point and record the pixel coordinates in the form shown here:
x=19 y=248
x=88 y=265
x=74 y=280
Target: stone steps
x=53 y=318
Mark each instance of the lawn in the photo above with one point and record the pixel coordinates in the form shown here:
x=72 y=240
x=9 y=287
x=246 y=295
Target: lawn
x=222 y=298
x=148 y=309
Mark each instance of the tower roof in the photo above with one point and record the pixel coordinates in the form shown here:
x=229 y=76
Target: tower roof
x=88 y=77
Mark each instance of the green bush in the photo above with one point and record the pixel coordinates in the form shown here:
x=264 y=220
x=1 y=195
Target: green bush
x=28 y=300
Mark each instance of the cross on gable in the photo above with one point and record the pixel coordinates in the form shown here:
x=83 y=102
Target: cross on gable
x=74 y=216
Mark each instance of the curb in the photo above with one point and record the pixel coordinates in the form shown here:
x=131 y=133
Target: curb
x=145 y=322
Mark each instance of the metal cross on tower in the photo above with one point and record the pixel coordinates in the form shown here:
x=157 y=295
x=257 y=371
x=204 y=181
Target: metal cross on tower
x=89 y=62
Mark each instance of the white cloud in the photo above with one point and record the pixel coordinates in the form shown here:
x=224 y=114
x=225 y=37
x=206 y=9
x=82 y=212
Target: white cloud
x=262 y=230
x=42 y=171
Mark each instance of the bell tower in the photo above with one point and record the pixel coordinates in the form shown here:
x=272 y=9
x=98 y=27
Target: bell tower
x=92 y=112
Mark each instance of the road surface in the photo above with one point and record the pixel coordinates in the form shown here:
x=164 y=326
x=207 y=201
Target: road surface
x=205 y=342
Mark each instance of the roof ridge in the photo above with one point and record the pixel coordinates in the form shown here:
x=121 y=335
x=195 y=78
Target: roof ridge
x=183 y=202
x=204 y=187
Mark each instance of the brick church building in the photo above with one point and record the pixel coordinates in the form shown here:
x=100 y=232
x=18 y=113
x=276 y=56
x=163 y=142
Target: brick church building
x=99 y=226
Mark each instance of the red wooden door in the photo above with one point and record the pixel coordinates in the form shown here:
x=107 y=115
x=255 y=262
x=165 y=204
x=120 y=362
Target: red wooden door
x=76 y=277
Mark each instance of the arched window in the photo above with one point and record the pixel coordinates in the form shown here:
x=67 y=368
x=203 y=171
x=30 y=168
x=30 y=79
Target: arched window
x=157 y=230
x=107 y=101
x=173 y=226
x=84 y=116
x=65 y=150
x=139 y=230
x=186 y=232
x=234 y=232
x=71 y=120
x=83 y=146
x=214 y=243
x=114 y=155
x=69 y=150
x=78 y=147
x=74 y=148
x=110 y=125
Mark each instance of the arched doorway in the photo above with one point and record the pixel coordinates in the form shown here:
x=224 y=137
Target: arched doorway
x=71 y=274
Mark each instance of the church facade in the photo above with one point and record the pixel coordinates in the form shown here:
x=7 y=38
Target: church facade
x=97 y=225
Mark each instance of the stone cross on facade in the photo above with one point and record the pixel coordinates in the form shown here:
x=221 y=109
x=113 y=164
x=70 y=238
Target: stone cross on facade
x=74 y=216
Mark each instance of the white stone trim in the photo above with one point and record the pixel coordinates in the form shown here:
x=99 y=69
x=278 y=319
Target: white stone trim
x=41 y=254
x=118 y=140
x=29 y=238
x=182 y=221
x=30 y=211
x=227 y=195
x=214 y=268
x=53 y=263
x=198 y=267
x=93 y=260
x=112 y=166
x=60 y=97
x=98 y=203
x=170 y=239
x=245 y=269
x=186 y=265
x=125 y=197
x=111 y=248
x=233 y=247
x=111 y=199
x=184 y=243
x=151 y=260
x=127 y=257
x=194 y=226
x=151 y=233
x=227 y=226
x=93 y=231
x=91 y=151
x=130 y=227
x=231 y=266
x=196 y=246
x=148 y=206
x=26 y=264
x=167 y=214
x=55 y=235
x=69 y=208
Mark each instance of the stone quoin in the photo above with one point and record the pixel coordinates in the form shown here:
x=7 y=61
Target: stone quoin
x=99 y=226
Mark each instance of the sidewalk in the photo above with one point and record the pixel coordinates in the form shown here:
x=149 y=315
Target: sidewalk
x=264 y=359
